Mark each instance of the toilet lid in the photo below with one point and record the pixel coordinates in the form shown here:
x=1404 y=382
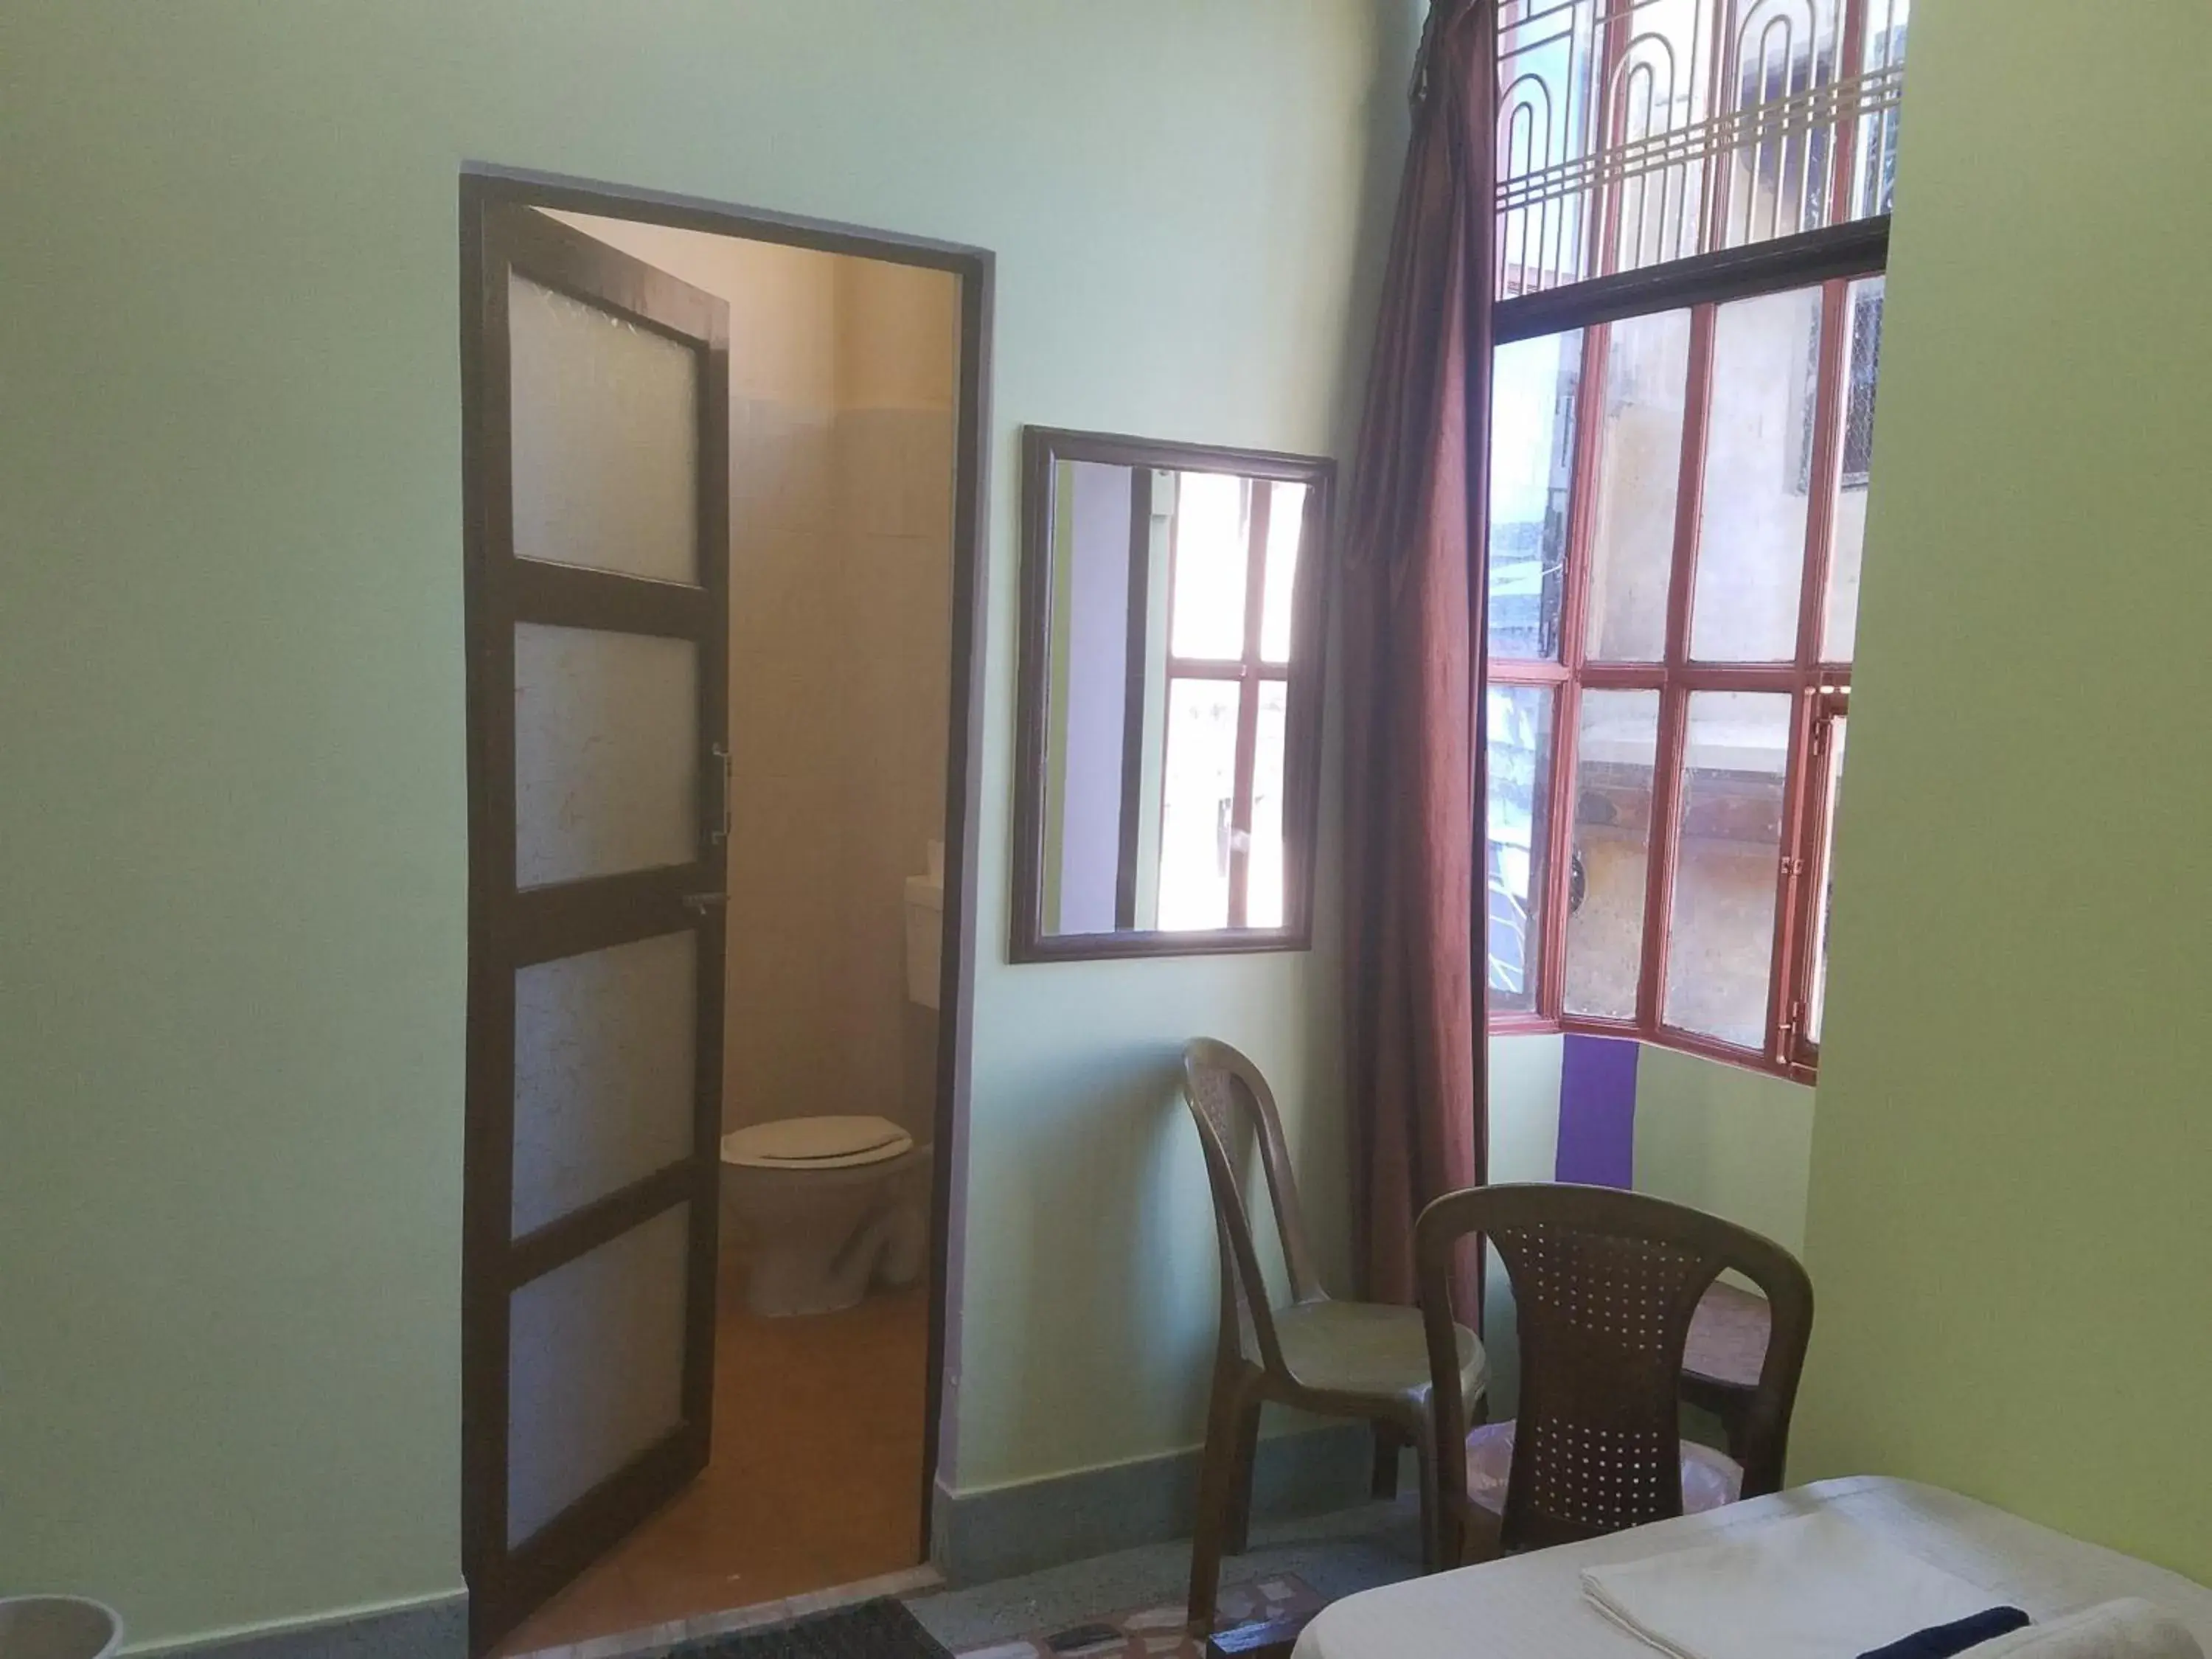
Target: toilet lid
x=816 y=1143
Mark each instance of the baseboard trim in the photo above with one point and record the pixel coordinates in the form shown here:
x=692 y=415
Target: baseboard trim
x=428 y=1627
x=1003 y=1531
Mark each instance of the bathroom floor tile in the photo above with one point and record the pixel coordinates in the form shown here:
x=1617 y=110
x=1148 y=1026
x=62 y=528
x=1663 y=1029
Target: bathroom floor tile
x=815 y=1479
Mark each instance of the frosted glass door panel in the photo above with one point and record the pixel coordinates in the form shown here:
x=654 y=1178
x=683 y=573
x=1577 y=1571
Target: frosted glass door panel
x=604 y=1078
x=606 y=742
x=605 y=418
x=595 y=1368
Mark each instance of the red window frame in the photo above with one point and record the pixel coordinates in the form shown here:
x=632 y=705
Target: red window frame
x=1819 y=689
x=1834 y=257
x=1248 y=670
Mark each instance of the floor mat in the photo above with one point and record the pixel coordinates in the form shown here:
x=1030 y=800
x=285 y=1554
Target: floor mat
x=881 y=1629
x=1157 y=1632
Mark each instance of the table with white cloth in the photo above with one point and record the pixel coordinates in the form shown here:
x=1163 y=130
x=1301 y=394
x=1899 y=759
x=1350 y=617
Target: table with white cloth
x=1532 y=1606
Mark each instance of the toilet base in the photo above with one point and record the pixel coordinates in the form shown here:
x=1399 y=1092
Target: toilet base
x=785 y=1280
x=809 y=1245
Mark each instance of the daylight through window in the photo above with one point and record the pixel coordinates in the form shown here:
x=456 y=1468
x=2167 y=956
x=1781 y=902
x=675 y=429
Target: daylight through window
x=1681 y=453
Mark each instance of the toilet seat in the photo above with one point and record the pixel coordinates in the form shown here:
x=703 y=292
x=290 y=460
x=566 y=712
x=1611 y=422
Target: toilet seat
x=816 y=1143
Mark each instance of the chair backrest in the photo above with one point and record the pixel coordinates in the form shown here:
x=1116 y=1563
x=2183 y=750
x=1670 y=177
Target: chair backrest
x=1228 y=1099
x=1604 y=1285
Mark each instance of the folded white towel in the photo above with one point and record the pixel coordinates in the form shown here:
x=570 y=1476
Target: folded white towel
x=2130 y=1628
x=1812 y=1587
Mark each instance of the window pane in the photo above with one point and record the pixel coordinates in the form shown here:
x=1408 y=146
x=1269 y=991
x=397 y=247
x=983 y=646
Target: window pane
x=1751 y=540
x=1519 y=750
x=1210 y=557
x=1720 y=943
x=1876 y=185
x=1531 y=446
x=1201 y=783
x=1616 y=752
x=1816 y=997
x=1286 y=512
x=1647 y=372
x=1263 y=872
x=1839 y=627
x=1776 y=177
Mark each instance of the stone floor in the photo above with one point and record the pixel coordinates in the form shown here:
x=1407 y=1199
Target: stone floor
x=819 y=1503
x=1328 y=1556
x=1161 y=1631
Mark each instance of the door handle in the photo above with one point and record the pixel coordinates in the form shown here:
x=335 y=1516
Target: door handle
x=700 y=904
x=717 y=817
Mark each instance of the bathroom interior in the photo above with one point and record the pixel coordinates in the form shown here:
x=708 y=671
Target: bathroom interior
x=842 y=374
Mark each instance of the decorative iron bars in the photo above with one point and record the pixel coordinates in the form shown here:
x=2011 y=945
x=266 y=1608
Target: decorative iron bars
x=1632 y=132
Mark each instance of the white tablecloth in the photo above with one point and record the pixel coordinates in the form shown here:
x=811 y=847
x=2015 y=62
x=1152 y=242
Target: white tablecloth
x=1531 y=1606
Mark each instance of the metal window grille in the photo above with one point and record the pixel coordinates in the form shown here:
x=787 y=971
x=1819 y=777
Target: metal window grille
x=1635 y=132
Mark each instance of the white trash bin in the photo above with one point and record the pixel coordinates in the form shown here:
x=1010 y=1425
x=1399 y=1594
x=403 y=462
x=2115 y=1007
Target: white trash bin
x=58 y=1628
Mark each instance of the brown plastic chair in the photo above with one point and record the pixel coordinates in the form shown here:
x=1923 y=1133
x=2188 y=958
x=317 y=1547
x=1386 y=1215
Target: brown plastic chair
x=1336 y=1359
x=1604 y=1283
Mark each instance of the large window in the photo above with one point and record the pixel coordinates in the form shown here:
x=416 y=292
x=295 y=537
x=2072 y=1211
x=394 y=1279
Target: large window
x=1691 y=209
x=1678 y=503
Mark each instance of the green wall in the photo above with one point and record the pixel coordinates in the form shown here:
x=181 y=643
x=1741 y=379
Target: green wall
x=2008 y=1208
x=230 y=1181
x=1725 y=1138
x=1719 y=1137
x=1524 y=1146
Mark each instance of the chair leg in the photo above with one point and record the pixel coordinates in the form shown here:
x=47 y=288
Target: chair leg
x=1434 y=1554
x=1216 y=1490
x=1389 y=1441
x=1736 y=1421
x=1248 y=1450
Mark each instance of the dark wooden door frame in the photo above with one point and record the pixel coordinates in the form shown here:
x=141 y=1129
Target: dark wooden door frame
x=485 y=187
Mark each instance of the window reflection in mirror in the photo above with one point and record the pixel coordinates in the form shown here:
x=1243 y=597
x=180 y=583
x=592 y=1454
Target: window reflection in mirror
x=1167 y=711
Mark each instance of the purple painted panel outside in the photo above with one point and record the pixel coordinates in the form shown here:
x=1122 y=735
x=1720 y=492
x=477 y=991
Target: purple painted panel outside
x=1098 y=692
x=1597 y=1111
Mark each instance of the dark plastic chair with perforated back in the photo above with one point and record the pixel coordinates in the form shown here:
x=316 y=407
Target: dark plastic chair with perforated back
x=1359 y=1359
x=1604 y=1285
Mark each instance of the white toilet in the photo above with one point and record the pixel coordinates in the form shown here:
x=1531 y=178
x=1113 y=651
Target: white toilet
x=822 y=1208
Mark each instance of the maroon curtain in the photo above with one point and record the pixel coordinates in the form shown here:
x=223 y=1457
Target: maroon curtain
x=1413 y=616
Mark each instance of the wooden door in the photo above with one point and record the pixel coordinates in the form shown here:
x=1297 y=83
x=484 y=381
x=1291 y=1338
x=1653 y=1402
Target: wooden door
x=597 y=467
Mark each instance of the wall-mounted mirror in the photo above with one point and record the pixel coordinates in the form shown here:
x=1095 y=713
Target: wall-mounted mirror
x=1169 y=744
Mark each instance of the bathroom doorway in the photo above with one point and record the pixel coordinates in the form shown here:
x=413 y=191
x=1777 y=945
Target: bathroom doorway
x=722 y=473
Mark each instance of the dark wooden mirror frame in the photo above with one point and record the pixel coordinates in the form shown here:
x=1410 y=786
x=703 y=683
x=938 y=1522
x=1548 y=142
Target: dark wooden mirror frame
x=1042 y=448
